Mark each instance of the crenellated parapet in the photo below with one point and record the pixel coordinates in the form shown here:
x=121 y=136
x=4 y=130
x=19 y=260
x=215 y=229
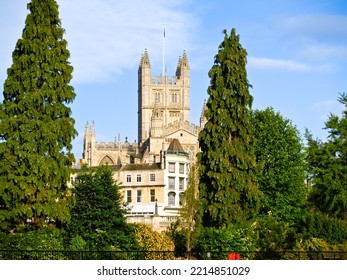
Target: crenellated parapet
x=188 y=126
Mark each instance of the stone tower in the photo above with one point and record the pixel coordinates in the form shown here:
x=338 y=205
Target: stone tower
x=89 y=143
x=165 y=96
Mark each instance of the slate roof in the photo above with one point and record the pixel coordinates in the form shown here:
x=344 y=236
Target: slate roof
x=175 y=146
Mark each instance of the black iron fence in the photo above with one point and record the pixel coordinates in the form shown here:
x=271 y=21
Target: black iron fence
x=168 y=255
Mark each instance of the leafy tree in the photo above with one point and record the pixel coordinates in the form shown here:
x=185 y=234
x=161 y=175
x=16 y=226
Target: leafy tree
x=36 y=128
x=227 y=175
x=280 y=157
x=97 y=217
x=327 y=166
x=151 y=240
x=190 y=217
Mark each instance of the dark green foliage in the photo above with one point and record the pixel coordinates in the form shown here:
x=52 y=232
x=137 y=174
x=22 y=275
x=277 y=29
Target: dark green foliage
x=97 y=217
x=272 y=236
x=40 y=242
x=314 y=224
x=327 y=162
x=178 y=237
x=36 y=128
x=280 y=157
x=227 y=175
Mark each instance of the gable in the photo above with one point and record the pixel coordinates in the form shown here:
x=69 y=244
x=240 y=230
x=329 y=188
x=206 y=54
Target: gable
x=183 y=135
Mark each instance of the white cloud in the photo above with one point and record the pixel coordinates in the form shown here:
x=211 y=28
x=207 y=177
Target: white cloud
x=105 y=37
x=277 y=64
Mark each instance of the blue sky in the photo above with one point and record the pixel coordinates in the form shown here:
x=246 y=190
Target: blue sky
x=297 y=54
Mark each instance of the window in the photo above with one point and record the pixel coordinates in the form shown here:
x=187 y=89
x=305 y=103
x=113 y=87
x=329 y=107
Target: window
x=152 y=177
x=182 y=168
x=157 y=97
x=171 y=183
x=152 y=192
x=171 y=199
x=138 y=196
x=171 y=167
x=138 y=178
x=128 y=196
x=174 y=98
x=128 y=178
x=181 y=186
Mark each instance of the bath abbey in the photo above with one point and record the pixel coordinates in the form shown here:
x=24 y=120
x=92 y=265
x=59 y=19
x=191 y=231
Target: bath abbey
x=153 y=171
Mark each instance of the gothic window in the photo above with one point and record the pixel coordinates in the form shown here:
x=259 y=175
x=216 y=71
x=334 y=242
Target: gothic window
x=157 y=96
x=106 y=160
x=174 y=97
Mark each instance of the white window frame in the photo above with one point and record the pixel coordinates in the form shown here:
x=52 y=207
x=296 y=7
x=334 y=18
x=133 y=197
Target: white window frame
x=139 y=196
x=128 y=178
x=152 y=177
x=172 y=167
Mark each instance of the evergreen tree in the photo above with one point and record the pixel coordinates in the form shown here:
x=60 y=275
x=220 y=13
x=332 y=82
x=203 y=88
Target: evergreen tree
x=227 y=175
x=97 y=216
x=36 y=128
x=280 y=157
x=327 y=162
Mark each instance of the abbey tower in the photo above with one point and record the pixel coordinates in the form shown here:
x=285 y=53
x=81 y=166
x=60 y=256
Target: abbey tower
x=163 y=114
x=167 y=95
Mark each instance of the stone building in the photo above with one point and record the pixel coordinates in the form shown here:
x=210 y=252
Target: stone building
x=153 y=170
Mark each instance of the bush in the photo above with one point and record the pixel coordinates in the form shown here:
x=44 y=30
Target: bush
x=272 y=237
x=44 y=244
x=151 y=240
x=221 y=241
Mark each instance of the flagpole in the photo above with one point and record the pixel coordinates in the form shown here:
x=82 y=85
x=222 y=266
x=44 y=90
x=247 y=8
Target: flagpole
x=164 y=53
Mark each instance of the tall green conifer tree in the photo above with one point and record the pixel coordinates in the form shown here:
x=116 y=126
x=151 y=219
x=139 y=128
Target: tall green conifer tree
x=227 y=175
x=36 y=128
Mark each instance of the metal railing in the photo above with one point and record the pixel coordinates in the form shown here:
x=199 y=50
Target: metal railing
x=168 y=255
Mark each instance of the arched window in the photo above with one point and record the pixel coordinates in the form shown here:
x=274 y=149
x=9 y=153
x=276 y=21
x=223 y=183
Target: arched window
x=174 y=97
x=157 y=97
x=171 y=198
x=106 y=160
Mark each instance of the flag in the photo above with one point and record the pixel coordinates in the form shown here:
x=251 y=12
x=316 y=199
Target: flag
x=164 y=32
